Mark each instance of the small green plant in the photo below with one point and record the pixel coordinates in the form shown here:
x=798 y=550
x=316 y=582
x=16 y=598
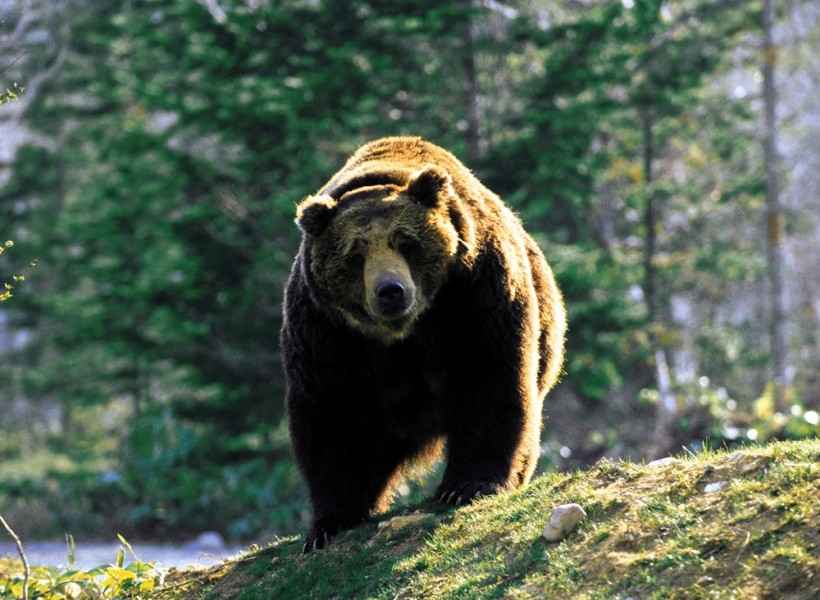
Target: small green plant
x=21 y=277
x=708 y=413
x=10 y=94
x=115 y=580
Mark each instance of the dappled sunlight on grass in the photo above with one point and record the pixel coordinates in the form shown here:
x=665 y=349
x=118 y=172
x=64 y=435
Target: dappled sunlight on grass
x=711 y=525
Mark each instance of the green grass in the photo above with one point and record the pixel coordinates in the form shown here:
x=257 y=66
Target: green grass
x=651 y=532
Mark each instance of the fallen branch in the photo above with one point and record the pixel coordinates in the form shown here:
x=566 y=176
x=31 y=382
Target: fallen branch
x=744 y=544
x=211 y=571
x=26 y=568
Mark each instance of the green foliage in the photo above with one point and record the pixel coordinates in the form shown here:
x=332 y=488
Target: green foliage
x=11 y=94
x=167 y=483
x=710 y=416
x=114 y=580
x=623 y=108
x=173 y=147
x=184 y=143
x=606 y=338
x=7 y=287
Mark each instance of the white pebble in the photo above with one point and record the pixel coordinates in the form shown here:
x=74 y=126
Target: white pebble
x=663 y=462
x=565 y=518
x=715 y=487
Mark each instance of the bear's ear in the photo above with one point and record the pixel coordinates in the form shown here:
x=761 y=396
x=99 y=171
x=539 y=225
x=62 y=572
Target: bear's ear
x=314 y=213
x=429 y=184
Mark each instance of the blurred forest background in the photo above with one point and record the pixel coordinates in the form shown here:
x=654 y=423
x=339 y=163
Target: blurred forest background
x=155 y=159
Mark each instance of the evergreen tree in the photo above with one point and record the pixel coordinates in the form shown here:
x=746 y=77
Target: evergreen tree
x=622 y=93
x=177 y=137
x=188 y=133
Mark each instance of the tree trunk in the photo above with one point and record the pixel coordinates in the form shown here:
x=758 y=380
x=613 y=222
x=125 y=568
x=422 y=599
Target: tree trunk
x=649 y=219
x=666 y=399
x=471 y=132
x=783 y=372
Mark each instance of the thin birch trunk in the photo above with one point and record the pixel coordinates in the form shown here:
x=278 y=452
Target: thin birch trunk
x=471 y=133
x=783 y=373
x=666 y=399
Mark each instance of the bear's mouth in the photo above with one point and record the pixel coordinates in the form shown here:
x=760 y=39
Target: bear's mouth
x=393 y=318
x=387 y=326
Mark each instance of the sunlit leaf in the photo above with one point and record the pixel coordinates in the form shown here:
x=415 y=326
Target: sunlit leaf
x=140 y=567
x=127 y=545
x=145 y=585
x=72 y=551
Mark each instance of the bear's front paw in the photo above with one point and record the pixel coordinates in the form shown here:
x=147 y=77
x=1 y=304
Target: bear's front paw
x=461 y=492
x=323 y=529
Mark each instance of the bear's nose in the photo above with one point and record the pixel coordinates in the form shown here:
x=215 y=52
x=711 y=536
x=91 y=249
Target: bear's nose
x=390 y=293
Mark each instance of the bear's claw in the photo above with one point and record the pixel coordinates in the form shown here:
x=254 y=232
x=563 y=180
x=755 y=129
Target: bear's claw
x=463 y=492
x=322 y=530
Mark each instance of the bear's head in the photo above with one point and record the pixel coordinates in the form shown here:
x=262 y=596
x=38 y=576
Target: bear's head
x=379 y=254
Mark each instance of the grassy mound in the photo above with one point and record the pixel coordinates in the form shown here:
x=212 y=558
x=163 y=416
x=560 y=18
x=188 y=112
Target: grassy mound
x=744 y=524
x=717 y=525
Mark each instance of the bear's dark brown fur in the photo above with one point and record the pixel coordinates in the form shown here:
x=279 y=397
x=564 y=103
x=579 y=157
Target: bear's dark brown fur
x=418 y=311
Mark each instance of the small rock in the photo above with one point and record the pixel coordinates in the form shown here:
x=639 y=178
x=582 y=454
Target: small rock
x=388 y=528
x=400 y=522
x=565 y=518
x=755 y=464
x=708 y=469
x=737 y=457
x=715 y=487
x=209 y=541
x=663 y=462
x=72 y=590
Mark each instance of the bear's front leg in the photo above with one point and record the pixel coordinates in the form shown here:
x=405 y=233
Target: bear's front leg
x=487 y=455
x=493 y=421
x=346 y=461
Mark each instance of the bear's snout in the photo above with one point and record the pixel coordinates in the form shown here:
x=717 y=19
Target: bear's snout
x=390 y=294
x=390 y=291
x=391 y=297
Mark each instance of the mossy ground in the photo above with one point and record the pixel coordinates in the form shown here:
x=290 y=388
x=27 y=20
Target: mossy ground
x=717 y=525
x=650 y=532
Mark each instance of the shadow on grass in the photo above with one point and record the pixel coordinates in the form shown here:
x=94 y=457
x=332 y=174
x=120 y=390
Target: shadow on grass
x=357 y=564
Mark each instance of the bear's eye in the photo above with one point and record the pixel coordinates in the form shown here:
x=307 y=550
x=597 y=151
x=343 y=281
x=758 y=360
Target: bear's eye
x=408 y=249
x=355 y=261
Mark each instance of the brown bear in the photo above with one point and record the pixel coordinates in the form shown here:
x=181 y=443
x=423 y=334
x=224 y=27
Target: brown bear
x=418 y=311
